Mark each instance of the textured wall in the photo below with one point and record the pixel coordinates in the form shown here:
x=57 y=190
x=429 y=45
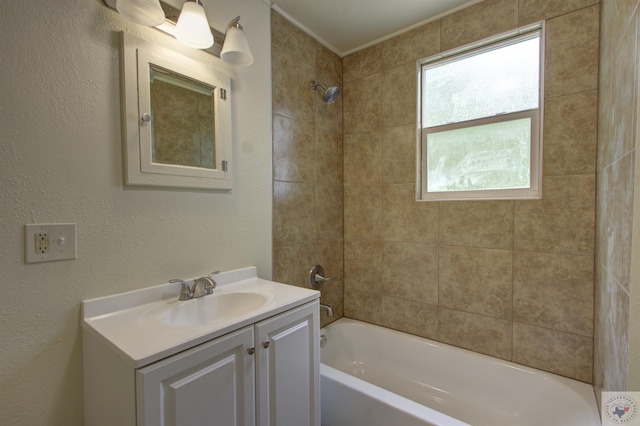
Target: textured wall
x=512 y=279
x=307 y=162
x=617 y=337
x=61 y=160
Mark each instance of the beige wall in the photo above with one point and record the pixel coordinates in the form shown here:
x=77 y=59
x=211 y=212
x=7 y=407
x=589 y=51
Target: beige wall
x=617 y=338
x=61 y=161
x=509 y=279
x=307 y=162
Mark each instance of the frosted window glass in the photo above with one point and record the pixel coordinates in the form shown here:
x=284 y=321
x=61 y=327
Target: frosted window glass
x=490 y=156
x=491 y=82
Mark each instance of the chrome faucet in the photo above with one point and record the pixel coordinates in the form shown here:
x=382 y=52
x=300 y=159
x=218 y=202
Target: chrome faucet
x=201 y=287
x=328 y=308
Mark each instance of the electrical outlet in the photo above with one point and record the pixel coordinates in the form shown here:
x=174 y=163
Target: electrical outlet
x=42 y=243
x=45 y=242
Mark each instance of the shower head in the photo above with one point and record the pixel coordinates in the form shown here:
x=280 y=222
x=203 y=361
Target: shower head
x=330 y=95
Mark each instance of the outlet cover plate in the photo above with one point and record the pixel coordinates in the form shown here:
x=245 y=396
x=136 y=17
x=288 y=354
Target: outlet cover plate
x=61 y=243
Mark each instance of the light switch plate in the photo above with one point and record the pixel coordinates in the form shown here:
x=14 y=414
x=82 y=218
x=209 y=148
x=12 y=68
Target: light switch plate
x=45 y=242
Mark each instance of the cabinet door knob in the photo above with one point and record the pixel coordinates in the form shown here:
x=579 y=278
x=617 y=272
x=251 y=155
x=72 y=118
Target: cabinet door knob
x=251 y=351
x=266 y=344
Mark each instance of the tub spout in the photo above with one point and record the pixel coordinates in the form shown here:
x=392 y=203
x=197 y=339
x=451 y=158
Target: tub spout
x=328 y=308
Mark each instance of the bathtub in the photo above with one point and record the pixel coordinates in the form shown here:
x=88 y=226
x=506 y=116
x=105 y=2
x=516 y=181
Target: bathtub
x=373 y=376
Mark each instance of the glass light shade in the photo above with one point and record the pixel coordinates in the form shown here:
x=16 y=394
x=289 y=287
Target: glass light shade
x=193 y=28
x=143 y=12
x=235 y=50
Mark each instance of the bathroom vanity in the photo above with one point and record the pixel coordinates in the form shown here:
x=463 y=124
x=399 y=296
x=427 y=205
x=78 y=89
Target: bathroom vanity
x=248 y=354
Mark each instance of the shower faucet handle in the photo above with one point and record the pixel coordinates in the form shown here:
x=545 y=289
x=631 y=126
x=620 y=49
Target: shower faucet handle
x=317 y=278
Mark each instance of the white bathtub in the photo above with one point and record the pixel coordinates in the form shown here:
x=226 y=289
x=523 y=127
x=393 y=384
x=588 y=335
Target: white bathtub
x=373 y=376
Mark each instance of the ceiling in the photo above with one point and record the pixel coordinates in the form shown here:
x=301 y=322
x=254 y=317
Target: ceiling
x=346 y=26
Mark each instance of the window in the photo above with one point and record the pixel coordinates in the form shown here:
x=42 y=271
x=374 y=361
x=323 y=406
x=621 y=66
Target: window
x=481 y=119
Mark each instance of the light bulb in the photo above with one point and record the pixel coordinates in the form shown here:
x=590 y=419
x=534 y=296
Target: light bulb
x=193 y=28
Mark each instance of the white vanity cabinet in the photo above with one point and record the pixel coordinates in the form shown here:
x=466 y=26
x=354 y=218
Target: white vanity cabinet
x=151 y=360
x=210 y=384
x=213 y=384
x=288 y=368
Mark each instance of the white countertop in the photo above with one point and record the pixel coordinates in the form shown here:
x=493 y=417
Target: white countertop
x=129 y=323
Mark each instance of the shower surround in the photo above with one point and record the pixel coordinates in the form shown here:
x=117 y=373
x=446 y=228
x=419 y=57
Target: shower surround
x=307 y=163
x=511 y=279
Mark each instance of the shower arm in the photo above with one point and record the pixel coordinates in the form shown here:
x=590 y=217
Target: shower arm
x=315 y=84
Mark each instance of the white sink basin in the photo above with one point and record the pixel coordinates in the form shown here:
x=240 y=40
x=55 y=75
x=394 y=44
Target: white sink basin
x=214 y=307
x=149 y=324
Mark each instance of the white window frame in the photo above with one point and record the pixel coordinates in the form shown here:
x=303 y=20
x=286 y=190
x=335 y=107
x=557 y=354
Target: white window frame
x=534 y=191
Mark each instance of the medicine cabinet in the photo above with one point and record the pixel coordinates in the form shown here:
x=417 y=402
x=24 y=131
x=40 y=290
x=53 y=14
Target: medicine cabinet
x=176 y=118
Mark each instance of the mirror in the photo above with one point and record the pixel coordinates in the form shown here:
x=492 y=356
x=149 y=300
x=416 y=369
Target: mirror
x=183 y=131
x=177 y=127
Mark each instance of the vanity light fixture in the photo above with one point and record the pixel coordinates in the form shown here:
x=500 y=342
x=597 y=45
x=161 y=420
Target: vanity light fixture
x=144 y=12
x=232 y=47
x=192 y=28
x=235 y=50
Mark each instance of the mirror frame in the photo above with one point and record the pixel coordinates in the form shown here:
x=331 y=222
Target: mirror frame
x=137 y=57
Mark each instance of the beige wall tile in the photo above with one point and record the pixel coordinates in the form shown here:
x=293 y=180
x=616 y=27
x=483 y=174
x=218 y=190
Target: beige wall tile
x=329 y=116
x=362 y=306
x=307 y=145
x=362 y=104
x=476 y=280
x=622 y=117
x=329 y=254
x=477 y=22
x=291 y=94
x=477 y=224
x=293 y=213
x=536 y=10
x=293 y=150
x=399 y=98
x=612 y=333
x=286 y=35
x=362 y=212
x=562 y=353
x=291 y=264
x=363 y=158
x=329 y=213
x=616 y=191
x=563 y=221
x=410 y=317
x=407 y=48
x=410 y=271
x=599 y=348
x=570 y=134
x=328 y=163
x=617 y=138
x=399 y=154
x=490 y=336
x=572 y=53
x=619 y=15
x=363 y=63
x=405 y=219
x=363 y=265
x=328 y=63
x=554 y=291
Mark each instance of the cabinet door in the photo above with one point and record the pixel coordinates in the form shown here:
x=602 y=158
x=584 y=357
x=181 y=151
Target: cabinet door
x=211 y=384
x=288 y=349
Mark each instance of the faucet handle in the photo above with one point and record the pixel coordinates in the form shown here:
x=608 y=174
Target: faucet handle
x=317 y=278
x=185 y=291
x=211 y=283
